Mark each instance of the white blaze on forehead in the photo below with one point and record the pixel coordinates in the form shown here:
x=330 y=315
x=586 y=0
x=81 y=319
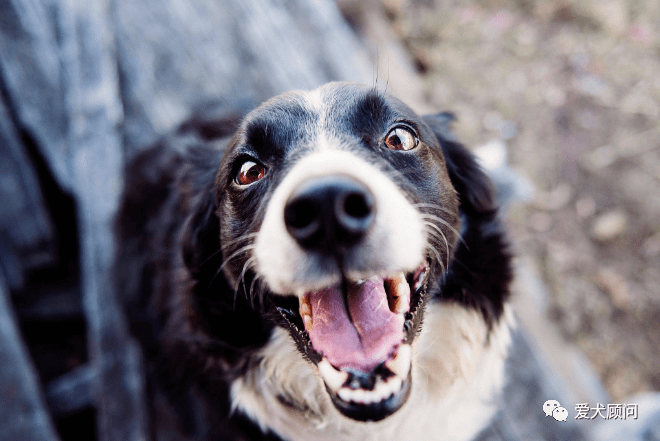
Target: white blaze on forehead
x=314 y=98
x=396 y=241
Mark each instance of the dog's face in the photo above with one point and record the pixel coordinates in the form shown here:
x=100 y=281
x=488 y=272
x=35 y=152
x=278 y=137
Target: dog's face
x=337 y=206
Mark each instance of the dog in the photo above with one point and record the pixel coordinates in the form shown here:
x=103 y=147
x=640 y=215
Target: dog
x=330 y=267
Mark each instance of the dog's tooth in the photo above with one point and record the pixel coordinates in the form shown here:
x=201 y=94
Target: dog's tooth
x=381 y=390
x=332 y=377
x=396 y=305
x=307 y=320
x=404 y=294
x=359 y=396
x=344 y=394
x=395 y=385
x=305 y=305
x=400 y=364
x=399 y=294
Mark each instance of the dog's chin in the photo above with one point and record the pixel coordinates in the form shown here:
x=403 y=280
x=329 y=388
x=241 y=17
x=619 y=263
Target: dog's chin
x=359 y=337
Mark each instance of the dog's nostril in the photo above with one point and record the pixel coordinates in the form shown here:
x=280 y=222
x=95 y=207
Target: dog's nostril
x=357 y=205
x=300 y=214
x=354 y=211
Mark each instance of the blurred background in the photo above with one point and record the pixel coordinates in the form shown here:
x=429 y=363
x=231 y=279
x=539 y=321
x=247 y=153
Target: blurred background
x=571 y=89
x=560 y=100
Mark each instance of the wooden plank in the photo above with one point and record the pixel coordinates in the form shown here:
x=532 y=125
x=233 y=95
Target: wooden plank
x=31 y=71
x=26 y=230
x=23 y=414
x=72 y=392
x=96 y=167
x=174 y=55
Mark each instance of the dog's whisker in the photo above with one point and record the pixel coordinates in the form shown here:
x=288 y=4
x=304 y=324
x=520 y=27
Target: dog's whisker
x=437 y=237
x=227 y=245
x=241 y=279
x=227 y=260
x=434 y=206
x=429 y=346
x=248 y=236
x=423 y=369
x=211 y=256
x=428 y=216
x=252 y=284
x=438 y=257
x=236 y=253
x=439 y=230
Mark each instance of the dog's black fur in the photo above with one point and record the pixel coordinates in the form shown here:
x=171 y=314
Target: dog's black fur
x=197 y=325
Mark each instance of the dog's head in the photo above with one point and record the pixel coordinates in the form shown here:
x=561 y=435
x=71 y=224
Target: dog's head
x=339 y=207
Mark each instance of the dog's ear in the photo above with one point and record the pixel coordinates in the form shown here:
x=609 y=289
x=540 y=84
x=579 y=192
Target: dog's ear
x=473 y=186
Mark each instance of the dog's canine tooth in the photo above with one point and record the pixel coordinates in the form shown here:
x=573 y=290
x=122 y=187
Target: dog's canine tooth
x=399 y=293
x=332 y=377
x=400 y=364
x=306 y=311
x=305 y=305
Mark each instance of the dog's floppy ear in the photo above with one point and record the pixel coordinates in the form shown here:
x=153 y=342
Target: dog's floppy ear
x=469 y=180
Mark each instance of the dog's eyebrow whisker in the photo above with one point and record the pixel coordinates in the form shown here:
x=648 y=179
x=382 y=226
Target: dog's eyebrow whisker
x=427 y=216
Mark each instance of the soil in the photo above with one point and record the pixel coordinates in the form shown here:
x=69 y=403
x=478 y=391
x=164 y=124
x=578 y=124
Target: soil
x=573 y=90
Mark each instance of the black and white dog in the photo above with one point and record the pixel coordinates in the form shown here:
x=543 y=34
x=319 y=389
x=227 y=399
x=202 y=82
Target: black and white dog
x=333 y=270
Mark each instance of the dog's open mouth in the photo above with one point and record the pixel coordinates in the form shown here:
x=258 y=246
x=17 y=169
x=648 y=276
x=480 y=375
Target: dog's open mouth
x=361 y=342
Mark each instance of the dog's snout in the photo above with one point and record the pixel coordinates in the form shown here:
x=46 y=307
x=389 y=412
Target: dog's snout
x=329 y=212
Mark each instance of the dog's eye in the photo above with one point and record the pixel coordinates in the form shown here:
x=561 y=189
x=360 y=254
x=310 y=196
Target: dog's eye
x=250 y=172
x=400 y=138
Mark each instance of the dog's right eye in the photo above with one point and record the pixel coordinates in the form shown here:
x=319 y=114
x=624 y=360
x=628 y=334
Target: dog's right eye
x=250 y=172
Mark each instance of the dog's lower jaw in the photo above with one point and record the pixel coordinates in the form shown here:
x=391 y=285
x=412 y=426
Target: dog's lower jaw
x=457 y=371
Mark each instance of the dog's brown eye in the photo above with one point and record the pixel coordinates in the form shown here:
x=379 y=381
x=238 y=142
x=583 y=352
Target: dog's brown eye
x=250 y=172
x=400 y=138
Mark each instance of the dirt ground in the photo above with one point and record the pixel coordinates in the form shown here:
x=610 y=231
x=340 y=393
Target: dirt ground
x=573 y=89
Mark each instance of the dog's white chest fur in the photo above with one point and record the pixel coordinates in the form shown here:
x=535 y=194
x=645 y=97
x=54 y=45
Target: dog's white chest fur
x=457 y=373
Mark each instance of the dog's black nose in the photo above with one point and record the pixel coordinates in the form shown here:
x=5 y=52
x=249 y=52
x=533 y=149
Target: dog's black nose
x=327 y=212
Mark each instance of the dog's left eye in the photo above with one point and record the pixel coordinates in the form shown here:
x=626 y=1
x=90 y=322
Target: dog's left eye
x=250 y=172
x=400 y=138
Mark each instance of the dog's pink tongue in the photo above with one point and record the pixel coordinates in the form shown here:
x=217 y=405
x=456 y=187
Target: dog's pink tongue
x=364 y=344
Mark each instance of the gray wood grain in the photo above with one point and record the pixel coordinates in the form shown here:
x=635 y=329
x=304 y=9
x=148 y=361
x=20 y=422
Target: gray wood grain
x=173 y=55
x=96 y=170
x=26 y=230
x=32 y=73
